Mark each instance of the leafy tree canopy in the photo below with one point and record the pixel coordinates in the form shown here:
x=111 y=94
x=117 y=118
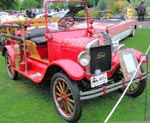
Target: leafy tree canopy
x=31 y=4
x=8 y=4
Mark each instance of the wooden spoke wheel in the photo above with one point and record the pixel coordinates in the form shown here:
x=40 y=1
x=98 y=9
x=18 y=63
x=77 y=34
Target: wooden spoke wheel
x=66 y=97
x=10 y=70
x=136 y=88
x=133 y=88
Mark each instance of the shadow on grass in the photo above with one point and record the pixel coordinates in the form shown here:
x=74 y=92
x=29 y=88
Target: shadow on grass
x=42 y=89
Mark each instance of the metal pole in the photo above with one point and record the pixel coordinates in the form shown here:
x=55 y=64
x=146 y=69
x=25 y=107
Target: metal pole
x=24 y=48
x=145 y=107
x=114 y=108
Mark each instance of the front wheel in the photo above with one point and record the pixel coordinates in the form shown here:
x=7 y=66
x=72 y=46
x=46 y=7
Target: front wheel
x=136 y=88
x=66 y=97
x=10 y=70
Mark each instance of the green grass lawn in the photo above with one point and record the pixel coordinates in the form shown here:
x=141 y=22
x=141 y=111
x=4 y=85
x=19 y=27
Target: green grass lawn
x=22 y=101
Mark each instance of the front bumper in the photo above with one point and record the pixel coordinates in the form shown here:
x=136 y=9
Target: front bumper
x=108 y=88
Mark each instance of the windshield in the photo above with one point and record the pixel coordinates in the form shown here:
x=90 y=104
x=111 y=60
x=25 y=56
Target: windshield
x=64 y=15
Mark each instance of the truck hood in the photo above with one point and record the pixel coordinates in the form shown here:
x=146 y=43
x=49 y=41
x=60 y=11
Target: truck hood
x=77 y=41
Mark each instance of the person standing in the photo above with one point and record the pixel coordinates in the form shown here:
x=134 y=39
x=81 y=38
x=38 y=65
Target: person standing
x=130 y=12
x=127 y=12
x=141 y=11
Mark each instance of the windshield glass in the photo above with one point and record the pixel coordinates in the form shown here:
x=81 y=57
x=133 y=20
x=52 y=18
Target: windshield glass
x=64 y=15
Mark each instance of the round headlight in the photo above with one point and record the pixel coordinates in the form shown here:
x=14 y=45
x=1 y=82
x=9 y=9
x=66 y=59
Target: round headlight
x=84 y=58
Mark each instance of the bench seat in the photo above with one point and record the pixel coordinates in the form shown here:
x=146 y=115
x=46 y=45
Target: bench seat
x=39 y=40
x=37 y=35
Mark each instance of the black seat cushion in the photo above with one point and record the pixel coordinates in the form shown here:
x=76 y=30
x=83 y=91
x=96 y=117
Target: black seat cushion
x=36 y=32
x=39 y=40
x=36 y=35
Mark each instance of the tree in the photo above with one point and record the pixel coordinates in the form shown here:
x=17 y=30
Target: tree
x=90 y=3
x=32 y=4
x=39 y=3
x=9 y=4
x=28 y=4
x=129 y=1
x=101 y=4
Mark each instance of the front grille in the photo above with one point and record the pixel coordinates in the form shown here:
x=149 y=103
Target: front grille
x=100 y=58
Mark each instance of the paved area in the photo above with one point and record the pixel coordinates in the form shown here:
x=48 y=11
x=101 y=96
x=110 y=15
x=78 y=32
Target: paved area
x=146 y=24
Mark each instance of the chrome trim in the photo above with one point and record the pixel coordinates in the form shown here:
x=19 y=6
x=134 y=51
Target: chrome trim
x=93 y=43
x=79 y=57
x=109 y=88
x=120 y=47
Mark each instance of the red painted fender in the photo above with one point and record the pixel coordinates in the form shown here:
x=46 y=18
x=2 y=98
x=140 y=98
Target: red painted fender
x=10 y=50
x=116 y=63
x=73 y=70
x=139 y=55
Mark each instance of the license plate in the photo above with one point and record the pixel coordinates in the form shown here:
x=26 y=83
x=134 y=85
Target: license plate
x=99 y=80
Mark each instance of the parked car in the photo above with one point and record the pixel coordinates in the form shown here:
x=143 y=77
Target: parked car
x=3 y=13
x=41 y=11
x=3 y=17
x=118 y=28
x=11 y=12
x=53 y=14
x=7 y=18
x=76 y=63
x=8 y=15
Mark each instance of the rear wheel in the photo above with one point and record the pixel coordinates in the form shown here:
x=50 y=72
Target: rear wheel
x=10 y=70
x=136 y=88
x=66 y=97
x=133 y=33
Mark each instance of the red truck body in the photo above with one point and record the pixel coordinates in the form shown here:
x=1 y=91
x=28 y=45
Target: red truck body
x=77 y=64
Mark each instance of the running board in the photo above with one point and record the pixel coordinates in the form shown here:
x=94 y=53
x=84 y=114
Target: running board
x=36 y=75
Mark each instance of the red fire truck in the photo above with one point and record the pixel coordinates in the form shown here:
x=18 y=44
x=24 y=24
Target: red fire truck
x=78 y=65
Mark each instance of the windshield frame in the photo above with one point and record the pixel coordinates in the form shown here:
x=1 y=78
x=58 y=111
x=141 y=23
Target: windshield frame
x=46 y=14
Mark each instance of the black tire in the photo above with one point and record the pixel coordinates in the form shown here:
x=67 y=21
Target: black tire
x=136 y=88
x=133 y=33
x=66 y=97
x=10 y=70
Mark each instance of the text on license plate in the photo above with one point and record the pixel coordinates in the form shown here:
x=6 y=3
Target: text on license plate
x=99 y=80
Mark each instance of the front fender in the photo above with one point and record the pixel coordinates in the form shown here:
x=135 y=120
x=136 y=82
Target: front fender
x=73 y=70
x=116 y=63
x=10 y=50
x=139 y=55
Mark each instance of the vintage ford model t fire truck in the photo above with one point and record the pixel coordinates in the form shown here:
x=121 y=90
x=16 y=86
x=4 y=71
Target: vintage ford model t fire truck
x=78 y=64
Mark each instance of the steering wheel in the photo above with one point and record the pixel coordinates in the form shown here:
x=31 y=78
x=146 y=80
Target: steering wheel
x=65 y=23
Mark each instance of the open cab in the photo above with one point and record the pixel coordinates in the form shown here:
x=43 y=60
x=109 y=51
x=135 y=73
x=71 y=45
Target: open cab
x=77 y=64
